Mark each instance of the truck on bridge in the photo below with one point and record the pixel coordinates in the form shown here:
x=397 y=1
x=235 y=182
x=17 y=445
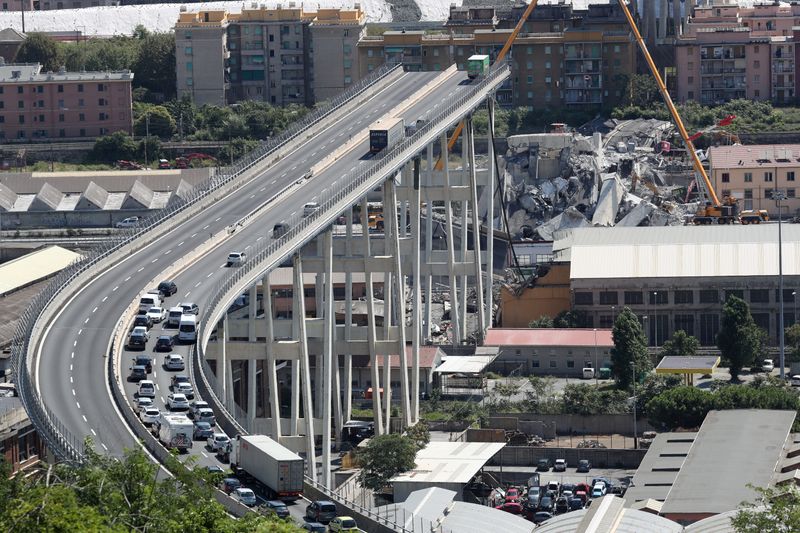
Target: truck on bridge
x=275 y=467
x=385 y=133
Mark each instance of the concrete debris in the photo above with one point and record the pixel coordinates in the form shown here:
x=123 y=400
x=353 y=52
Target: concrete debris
x=612 y=173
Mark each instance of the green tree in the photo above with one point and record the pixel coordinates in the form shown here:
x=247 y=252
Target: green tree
x=681 y=343
x=588 y=400
x=679 y=407
x=792 y=339
x=739 y=339
x=543 y=321
x=541 y=397
x=184 y=113
x=154 y=66
x=571 y=319
x=153 y=152
x=630 y=348
x=652 y=386
x=384 y=457
x=419 y=433
x=643 y=90
x=776 y=509
x=39 y=48
x=161 y=122
x=110 y=148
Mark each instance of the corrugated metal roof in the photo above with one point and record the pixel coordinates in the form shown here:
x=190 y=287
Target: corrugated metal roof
x=606 y=515
x=548 y=337
x=754 y=156
x=467 y=364
x=680 y=251
x=449 y=462
x=34 y=267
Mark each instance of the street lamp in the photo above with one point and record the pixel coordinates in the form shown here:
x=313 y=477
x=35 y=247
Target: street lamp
x=635 y=432
x=779 y=195
x=646 y=324
x=794 y=311
x=655 y=316
x=613 y=314
x=596 y=369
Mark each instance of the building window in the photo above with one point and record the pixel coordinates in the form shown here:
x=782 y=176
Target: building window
x=81 y=117
x=768 y=176
x=633 y=298
x=739 y=293
x=570 y=363
x=21 y=104
x=553 y=363
x=685 y=323
x=61 y=117
x=188 y=50
x=101 y=87
x=756 y=64
x=82 y=132
x=748 y=177
x=726 y=177
x=684 y=297
x=547 y=51
x=61 y=88
x=658 y=297
x=584 y=298
x=690 y=80
x=790 y=176
x=535 y=363
x=62 y=133
x=609 y=298
x=22 y=119
x=20 y=90
x=80 y=87
x=759 y=296
x=709 y=296
x=790 y=193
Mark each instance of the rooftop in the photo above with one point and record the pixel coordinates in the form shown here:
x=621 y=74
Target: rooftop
x=34 y=266
x=428 y=357
x=672 y=364
x=465 y=364
x=548 y=337
x=608 y=515
x=31 y=72
x=754 y=156
x=449 y=462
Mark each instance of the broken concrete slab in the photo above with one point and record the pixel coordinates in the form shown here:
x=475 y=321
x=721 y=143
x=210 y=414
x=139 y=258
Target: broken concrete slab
x=611 y=192
x=570 y=218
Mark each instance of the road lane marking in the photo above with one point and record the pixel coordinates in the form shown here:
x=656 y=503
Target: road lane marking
x=70 y=379
x=247 y=247
x=187 y=294
x=262 y=189
x=204 y=454
x=87 y=320
x=155 y=374
x=211 y=273
x=142 y=268
x=72 y=355
x=198 y=284
x=162 y=399
x=115 y=289
x=168 y=252
x=193 y=235
x=104 y=446
x=206 y=226
x=80 y=331
x=273 y=181
x=73 y=392
x=105 y=298
x=70 y=367
x=252 y=196
x=259 y=239
x=78 y=404
x=181 y=243
x=153 y=261
x=128 y=278
x=94 y=310
x=84 y=419
x=217 y=219
x=93 y=432
x=157 y=387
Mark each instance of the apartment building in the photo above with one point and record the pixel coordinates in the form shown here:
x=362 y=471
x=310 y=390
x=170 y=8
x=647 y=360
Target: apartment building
x=751 y=173
x=267 y=54
x=36 y=105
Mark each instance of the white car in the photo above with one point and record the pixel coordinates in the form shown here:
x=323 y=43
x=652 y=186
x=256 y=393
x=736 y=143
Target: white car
x=186 y=389
x=174 y=361
x=130 y=222
x=218 y=442
x=236 y=258
x=767 y=365
x=795 y=380
x=150 y=415
x=143 y=402
x=310 y=208
x=189 y=308
x=197 y=405
x=156 y=314
x=176 y=401
x=245 y=495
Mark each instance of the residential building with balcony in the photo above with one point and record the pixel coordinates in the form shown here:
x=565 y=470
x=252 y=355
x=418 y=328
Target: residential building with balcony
x=36 y=105
x=267 y=54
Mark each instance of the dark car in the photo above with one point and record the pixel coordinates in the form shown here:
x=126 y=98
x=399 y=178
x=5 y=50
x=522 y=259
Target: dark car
x=230 y=484
x=167 y=288
x=137 y=341
x=314 y=527
x=546 y=503
x=575 y=504
x=278 y=507
x=321 y=511
x=584 y=465
x=138 y=373
x=143 y=320
x=541 y=516
x=568 y=487
x=164 y=343
x=543 y=465
x=203 y=430
x=145 y=361
x=214 y=469
x=562 y=505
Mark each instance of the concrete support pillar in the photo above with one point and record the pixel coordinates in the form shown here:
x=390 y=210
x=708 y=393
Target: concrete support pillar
x=251 y=314
x=327 y=360
x=347 y=408
x=399 y=289
x=469 y=140
x=464 y=238
x=272 y=373
x=415 y=292
x=376 y=394
x=252 y=388
x=489 y=297
x=448 y=214
x=389 y=233
x=320 y=303
x=426 y=335
x=308 y=408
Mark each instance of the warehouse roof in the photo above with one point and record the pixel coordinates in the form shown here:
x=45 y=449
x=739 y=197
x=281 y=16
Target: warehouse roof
x=449 y=462
x=608 y=515
x=548 y=337
x=678 y=251
x=754 y=156
x=34 y=266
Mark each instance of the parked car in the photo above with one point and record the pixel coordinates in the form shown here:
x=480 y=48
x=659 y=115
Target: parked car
x=177 y=401
x=543 y=465
x=217 y=441
x=189 y=308
x=534 y=480
x=541 y=516
x=510 y=507
x=795 y=381
x=321 y=511
x=186 y=389
x=230 y=484
x=164 y=343
x=236 y=258
x=584 y=465
x=582 y=496
x=278 y=507
x=560 y=465
x=605 y=481
x=314 y=527
x=512 y=495
x=145 y=361
x=174 y=361
x=767 y=365
x=138 y=373
x=599 y=490
x=567 y=487
x=343 y=524
x=202 y=431
x=129 y=222
x=150 y=415
x=167 y=288
x=157 y=314
x=575 y=504
x=562 y=505
x=546 y=504
x=534 y=493
x=554 y=486
x=245 y=496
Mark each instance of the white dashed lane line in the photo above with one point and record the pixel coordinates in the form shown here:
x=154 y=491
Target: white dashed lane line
x=105 y=298
x=198 y=284
x=86 y=321
x=93 y=432
x=187 y=294
x=209 y=275
x=206 y=226
x=259 y=239
x=72 y=356
x=181 y=243
x=193 y=235
x=168 y=252
x=262 y=189
x=252 y=196
x=73 y=392
x=94 y=310
x=141 y=268
x=128 y=278
x=78 y=404
x=80 y=331
x=85 y=419
x=217 y=219
x=70 y=379
x=153 y=261
x=74 y=343
x=115 y=289
x=104 y=446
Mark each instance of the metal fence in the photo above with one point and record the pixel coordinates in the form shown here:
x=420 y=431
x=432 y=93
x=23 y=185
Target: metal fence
x=56 y=435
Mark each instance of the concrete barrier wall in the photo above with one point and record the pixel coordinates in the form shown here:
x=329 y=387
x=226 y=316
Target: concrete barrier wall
x=621 y=424
x=69 y=219
x=599 y=457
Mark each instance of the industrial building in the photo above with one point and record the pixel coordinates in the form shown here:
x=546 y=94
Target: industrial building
x=20 y=446
x=697 y=475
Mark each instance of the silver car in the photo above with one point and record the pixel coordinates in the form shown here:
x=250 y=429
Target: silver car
x=218 y=442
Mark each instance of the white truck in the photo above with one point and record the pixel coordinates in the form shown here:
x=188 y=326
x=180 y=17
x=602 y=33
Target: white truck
x=274 y=466
x=176 y=431
x=385 y=133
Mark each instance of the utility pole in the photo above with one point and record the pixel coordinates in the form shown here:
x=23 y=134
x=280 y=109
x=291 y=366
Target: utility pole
x=779 y=195
x=146 y=136
x=635 y=433
x=22 y=5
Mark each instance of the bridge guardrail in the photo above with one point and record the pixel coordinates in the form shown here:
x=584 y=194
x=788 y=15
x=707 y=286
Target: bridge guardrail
x=279 y=249
x=39 y=312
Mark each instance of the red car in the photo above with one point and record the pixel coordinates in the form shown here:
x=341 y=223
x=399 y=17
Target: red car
x=510 y=507
x=512 y=496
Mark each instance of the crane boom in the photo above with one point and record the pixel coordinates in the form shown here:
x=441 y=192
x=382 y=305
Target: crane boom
x=500 y=57
x=698 y=166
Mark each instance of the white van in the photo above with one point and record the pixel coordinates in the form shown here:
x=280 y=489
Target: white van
x=147 y=389
x=310 y=208
x=174 y=316
x=588 y=373
x=147 y=301
x=187 y=329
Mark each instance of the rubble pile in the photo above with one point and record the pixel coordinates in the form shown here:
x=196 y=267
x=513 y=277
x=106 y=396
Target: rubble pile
x=568 y=180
